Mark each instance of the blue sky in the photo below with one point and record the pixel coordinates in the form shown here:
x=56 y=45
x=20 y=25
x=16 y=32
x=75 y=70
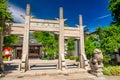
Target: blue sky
x=94 y=12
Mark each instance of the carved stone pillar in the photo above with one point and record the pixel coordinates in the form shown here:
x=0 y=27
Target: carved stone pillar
x=24 y=65
x=61 y=42
x=83 y=58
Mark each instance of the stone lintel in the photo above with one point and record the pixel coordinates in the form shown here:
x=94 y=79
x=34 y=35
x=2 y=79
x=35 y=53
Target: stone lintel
x=44 y=21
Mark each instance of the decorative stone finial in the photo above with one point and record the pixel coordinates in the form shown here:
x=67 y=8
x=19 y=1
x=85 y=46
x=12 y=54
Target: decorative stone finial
x=61 y=13
x=80 y=20
x=28 y=9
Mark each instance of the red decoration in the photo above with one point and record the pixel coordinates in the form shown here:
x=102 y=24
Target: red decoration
x=8 y=55
x=7 y=51
x=8 y=48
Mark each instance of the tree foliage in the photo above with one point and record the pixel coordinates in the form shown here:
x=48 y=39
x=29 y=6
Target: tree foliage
x=5 y=14
x=114 y=7
x=89 y=45
x=107 y=39
x=11 y=39
x=70 y=45
x=50 y=43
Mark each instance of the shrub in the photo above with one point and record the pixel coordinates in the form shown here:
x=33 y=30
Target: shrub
x=73 y=58
x=112 y=70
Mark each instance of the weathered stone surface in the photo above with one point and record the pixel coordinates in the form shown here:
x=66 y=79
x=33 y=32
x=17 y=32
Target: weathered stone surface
x=96 y=63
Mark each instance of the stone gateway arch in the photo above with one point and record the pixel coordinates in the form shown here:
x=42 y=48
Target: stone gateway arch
x=33 y=24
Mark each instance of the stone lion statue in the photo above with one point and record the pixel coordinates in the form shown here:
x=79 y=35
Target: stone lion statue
x=96 y=63
x=98 y=56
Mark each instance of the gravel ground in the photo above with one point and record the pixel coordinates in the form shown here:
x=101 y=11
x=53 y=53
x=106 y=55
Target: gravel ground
x=58 y=77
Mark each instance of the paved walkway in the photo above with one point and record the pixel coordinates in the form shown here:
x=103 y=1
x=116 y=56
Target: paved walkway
x=51 y=77
x=53 y=74
x=76 y=76
x=69 y=74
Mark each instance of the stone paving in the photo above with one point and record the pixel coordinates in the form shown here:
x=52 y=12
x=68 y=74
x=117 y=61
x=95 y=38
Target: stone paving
x=76 y=76
x=69 y=74
x=50 y=77
x=53 y=74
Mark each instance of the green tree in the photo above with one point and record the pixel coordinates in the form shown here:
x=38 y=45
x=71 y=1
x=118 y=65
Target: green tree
x=11 y=39
x=90 y=45
x=70 y=45
x=110 y=40
x=114 y=7
x=107 y=39
x=49 y=42
x=5 y=15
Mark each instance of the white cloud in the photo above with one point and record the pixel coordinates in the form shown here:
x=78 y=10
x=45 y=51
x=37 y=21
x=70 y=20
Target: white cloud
x=101 y=17
x=17 y=12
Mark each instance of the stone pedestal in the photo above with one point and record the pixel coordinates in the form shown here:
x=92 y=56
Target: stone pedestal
x=98 y=71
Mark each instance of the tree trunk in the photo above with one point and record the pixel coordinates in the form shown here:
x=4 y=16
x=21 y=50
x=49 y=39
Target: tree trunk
x=1 y=42
x=1 y=47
